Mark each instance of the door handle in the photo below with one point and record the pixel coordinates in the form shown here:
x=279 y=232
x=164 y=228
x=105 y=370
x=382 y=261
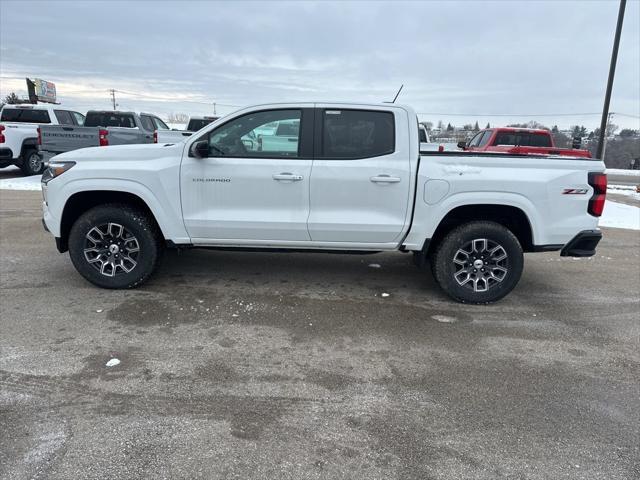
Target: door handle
x=286 y=176
x=385 y=179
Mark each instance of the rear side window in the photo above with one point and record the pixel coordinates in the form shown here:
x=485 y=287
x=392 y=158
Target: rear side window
x=524 y=139
x=64 y=117
x=357 y=133
x=539 y=140
x=109 y=119
x=25 y=115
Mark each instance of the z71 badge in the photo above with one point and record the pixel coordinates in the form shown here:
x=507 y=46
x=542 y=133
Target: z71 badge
x=575 y=191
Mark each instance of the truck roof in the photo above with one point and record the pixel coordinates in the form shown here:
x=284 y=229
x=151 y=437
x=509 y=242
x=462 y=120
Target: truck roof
x=519 y=129
x=31 y=106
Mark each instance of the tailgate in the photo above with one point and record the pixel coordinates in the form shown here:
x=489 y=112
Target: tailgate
x=59 y=139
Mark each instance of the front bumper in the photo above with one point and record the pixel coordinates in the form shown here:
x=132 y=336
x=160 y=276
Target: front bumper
x=583 y=244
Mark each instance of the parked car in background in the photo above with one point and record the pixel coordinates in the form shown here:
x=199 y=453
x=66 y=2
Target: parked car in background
x=173 y=135
x=19 y=133
x=519 y=141
x=355 y=182
x=101 y=128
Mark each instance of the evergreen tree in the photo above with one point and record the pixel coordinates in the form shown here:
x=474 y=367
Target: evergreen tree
x=488 y=126
x=449 y=128
x=476 y=127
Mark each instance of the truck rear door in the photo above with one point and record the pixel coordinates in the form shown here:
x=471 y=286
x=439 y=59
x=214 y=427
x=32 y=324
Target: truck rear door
x=360 y=178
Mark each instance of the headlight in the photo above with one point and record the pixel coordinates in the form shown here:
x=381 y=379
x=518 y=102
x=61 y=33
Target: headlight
x=55 y=169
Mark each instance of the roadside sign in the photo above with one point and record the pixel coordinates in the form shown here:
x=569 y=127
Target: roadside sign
x=41 y=91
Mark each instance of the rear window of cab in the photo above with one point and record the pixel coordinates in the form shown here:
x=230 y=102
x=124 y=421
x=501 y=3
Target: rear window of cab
x=25 y=115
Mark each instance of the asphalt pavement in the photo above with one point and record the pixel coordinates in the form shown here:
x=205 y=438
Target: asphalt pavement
x=295 y=366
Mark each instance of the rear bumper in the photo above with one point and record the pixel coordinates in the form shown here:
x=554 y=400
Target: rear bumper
x=583 y=244
x=6 y=154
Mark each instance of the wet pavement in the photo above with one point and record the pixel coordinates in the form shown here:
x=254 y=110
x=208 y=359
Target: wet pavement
x=264 y=365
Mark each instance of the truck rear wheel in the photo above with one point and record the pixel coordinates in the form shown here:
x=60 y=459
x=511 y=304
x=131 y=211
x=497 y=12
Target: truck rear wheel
x=115 y=246
x=478 y=262
x=32 y=162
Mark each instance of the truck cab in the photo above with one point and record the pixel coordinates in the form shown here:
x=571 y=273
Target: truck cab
x=518 y=141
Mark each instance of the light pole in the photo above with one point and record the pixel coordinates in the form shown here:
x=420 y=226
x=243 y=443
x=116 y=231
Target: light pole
x=612 y=71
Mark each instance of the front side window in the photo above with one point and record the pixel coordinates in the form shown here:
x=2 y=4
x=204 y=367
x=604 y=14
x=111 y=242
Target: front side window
x=267 y=134
x=160 y=125
x=79 y=118
x=475 y=141
x=147 y=123
x=64 y=117
x=350 y=134
x=485 y=138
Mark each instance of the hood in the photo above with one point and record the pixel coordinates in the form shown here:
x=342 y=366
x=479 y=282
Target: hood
x=144 y=151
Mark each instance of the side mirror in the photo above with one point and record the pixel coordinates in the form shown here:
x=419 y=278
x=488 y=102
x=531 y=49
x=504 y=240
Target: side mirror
x=462 y=145
x=576 y=143
x=200 y=149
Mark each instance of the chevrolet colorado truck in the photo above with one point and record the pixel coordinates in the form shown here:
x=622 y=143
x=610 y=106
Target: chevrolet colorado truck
x=19 y=133
x=356 y=183
x=101 y=128
x=519 y=140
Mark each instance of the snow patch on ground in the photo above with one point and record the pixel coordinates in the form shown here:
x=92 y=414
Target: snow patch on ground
x=112 y=363
x=21 y=183
x=618 y=215
x=622 y=171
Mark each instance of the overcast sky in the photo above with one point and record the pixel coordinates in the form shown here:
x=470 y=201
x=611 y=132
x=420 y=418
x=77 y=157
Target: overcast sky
x=479 y=58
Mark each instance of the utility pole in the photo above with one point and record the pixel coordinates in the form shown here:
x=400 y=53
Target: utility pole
x=612 y=71
x=214 y=108
x=113 y=98
x=604 y=143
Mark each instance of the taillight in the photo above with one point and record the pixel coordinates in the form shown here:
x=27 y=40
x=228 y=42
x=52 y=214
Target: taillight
x=102 y=136
x=2 y=134
x=155 y=136
x=39 y=135
x=599 y=183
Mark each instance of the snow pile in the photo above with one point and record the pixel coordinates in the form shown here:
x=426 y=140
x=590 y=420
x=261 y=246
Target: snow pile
x=622 y=171
x=617 y=215
x=627 y=190
x=21 y=183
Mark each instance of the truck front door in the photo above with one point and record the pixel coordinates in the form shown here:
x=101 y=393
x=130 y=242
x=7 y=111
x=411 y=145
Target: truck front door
x=241 y=193
x=360 y=180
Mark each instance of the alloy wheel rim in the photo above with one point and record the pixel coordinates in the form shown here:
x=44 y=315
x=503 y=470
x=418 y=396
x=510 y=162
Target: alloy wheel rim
x=480 y=264
x=111 y=249
x=35 y=162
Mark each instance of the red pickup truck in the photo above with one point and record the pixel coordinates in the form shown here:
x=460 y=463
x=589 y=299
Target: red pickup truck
x=518 y=140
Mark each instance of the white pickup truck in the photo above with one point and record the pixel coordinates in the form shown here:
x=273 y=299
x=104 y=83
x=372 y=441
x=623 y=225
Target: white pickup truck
x=357 y=182
x=19 y=133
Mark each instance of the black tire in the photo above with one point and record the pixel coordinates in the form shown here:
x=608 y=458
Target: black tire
x=32 y=162
x=99 y=265
x=456 y=257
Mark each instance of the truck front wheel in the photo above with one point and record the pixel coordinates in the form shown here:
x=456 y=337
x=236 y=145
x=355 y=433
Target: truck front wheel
x=478 y=262
x=115 y=246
